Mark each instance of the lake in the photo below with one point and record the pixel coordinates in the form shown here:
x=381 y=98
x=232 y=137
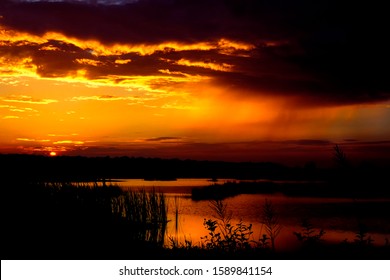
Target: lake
x=339 y=217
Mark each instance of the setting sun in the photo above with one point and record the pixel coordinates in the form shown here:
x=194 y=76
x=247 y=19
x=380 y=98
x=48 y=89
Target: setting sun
x=53 y=154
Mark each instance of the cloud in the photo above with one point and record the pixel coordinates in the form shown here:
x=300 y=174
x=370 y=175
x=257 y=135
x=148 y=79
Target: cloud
x=317 y=52
x=32 y=140
x=62 y=142
x=102 y=98
x=26 y=99
x=19 y=109
x=75 y=60
x=122 y=61
x=132 y=100
x=165 y=139
x=309 y=142
x=224 y=67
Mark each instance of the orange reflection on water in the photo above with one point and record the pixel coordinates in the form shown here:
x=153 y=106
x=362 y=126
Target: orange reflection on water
x=189 y=223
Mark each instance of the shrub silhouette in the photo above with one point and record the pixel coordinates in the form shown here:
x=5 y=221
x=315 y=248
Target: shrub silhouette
x=222 y=234
x=308 y=236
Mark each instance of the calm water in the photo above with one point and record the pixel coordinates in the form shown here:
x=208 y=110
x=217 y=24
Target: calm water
x=178 y=187
x=339 y=217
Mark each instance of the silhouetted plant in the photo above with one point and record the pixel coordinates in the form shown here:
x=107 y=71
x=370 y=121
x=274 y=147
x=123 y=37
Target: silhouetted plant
x=361 y=237
x=174 y=240
x=222 y=235
x=144 y=212
x=213 y=239
x=339 y=156
x=264 y=241
x=309 y=236
x=221 y=211
x=175 y=244
x=270 y=219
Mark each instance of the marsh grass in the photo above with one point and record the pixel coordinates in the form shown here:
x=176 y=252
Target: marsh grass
x=270 y=220
x=145 y=213
x=80 y=220
x=174 y=239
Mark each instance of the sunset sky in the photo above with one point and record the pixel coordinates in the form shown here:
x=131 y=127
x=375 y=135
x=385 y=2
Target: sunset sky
x=208 y=79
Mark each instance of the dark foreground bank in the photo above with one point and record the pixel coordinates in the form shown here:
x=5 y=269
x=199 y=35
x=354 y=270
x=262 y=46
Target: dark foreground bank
x=87 y=221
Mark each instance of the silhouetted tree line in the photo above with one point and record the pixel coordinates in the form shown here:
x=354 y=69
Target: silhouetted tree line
x=38 y=167
x=343 y=175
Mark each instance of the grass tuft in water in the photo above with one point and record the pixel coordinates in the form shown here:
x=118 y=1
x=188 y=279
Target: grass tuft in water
x=144 y=212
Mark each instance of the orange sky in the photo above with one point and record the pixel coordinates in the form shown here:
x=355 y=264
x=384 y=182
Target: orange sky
x=171 y=98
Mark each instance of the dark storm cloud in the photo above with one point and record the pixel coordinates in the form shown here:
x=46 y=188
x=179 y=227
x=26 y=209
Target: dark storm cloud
x=325 y=51
x=49 y=63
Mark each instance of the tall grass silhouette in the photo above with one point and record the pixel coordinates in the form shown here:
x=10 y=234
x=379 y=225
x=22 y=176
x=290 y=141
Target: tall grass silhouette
x=84 y=220
x=145 y=213
x=270 y=219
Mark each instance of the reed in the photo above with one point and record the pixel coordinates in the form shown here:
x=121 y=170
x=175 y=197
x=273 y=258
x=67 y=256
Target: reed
x=83 y=219
x=270 y=219
x=144 y=212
